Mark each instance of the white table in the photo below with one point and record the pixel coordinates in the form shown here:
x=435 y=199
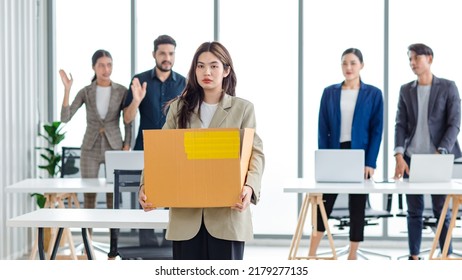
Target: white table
x=301 y=185
x=314 y=192
x=61 y=185
x=54 y=188
x=88 y=218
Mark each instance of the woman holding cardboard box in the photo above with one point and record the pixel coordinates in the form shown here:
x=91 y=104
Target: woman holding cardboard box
x=209 y=101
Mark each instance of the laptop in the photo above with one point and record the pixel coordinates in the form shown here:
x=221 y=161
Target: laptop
x=123 y=160
x=339 y=166
x=431 y=168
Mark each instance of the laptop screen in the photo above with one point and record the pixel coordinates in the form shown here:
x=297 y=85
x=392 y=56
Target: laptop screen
x=123 y=160
x=339 y=165
x=431 y=168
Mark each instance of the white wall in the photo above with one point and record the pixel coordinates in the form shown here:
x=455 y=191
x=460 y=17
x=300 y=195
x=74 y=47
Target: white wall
x=23 y=105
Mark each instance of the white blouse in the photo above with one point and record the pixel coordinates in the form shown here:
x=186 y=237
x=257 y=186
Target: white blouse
x=347 y=109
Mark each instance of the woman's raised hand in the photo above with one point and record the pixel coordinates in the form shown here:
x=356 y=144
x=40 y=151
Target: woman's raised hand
x=65 y=79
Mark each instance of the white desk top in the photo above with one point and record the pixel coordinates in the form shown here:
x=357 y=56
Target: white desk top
x=301 y=185
x=92 y=218
x=61 y=185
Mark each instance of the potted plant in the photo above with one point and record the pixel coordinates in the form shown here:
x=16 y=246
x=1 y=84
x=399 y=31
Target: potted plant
x=53 y=137
x=52 y=158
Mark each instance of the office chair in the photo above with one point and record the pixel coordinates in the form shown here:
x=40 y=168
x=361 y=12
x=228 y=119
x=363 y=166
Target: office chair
x=429 y=220
x=341 y=214
x=70 y=168
x=129 y=181
x=70 y=162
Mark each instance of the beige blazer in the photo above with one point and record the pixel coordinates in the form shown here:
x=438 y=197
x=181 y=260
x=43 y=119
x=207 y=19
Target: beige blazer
x=95 y=125
x=223 y=223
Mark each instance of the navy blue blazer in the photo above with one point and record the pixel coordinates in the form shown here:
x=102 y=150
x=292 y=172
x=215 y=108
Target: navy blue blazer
x=367 y=127
x=443 y=115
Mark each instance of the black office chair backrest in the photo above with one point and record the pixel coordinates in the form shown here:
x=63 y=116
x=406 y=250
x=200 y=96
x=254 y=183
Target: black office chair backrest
x=126 y=181
x=129 y=181
x=70 y=162
x=341 y=212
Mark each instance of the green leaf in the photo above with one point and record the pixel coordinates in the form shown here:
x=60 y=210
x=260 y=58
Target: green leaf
x=40 y=199
x=48 y=159
x=53 y=136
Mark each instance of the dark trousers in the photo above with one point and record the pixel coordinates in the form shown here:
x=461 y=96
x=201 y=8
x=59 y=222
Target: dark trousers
x=356 y=206
x=415 y=208
x=203 y=246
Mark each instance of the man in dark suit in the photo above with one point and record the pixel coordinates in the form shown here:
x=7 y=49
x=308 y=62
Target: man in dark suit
x=427 y=122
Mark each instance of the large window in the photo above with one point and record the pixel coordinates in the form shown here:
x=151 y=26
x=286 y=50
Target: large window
x=82 y=27
x=330 y=27
x=190 y=23
x=329 y=30
x=262 y=39
x=436 y=25
x=414 y=22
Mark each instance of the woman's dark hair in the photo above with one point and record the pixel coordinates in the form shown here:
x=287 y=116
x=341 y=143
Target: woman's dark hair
x=97 y=55
x=193 y=94
x=420 y=49
x=355 y=52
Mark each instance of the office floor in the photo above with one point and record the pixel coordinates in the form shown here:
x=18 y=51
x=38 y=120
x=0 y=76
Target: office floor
x=258 y=250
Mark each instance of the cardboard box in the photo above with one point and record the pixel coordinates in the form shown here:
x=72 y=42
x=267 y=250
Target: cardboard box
x=196 y=167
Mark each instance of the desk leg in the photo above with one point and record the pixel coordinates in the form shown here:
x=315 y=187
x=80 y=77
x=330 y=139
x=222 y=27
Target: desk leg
x=56 y=245
x=50 y=198
x=70 y=242
x=315 y=200
x=320 y=203
x=34 y=250
x=87 y=245
x=41 y=250
x=299 y=230
x=439 y=227
x=455 y=209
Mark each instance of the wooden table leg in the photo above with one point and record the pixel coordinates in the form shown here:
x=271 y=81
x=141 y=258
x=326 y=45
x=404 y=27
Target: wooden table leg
x=456 y=201
x=320 y=203
x=439 y=227
x=316 y=201
x=299 y=229
x=34 y=250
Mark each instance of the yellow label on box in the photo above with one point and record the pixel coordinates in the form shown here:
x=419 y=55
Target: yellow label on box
x=212 y=144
